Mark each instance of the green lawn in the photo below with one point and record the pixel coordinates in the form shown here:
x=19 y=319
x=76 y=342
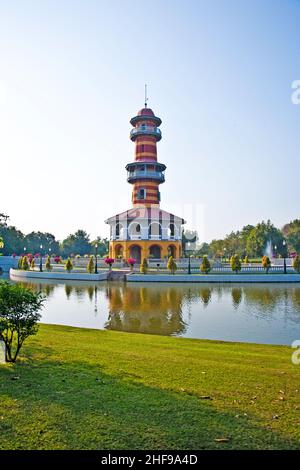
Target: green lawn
x=88 y=389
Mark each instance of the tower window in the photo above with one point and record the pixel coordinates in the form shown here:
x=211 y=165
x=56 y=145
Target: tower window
x=141 y=193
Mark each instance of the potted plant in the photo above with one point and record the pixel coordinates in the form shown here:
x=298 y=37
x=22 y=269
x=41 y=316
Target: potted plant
x=131 y=262
x=109 y=262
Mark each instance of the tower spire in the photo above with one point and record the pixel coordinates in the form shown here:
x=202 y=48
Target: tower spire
x=146 y=97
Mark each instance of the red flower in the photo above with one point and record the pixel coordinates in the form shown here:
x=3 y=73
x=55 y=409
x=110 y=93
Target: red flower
x=131 y=261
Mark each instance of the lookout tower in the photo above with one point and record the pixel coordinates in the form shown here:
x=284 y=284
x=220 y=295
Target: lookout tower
x=145 y=230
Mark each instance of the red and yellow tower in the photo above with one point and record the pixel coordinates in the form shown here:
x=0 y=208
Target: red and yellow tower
x=145 y=173
x=145 y=230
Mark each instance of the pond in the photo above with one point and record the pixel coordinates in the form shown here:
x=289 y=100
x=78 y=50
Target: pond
x=260 y=313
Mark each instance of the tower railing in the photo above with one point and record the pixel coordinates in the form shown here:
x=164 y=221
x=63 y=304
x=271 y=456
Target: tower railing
x=146 y=174
x=141 y=130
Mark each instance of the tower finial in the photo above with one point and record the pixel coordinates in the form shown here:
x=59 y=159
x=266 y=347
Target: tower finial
x=146 y=97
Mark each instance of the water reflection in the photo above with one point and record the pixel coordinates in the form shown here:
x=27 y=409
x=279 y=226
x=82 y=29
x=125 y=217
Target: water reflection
x=145 y=310
x=259 y=313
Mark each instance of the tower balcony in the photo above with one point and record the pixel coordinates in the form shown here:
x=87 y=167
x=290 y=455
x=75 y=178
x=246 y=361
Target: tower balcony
x=152 y=171
x=133 y=176
x=145 y=130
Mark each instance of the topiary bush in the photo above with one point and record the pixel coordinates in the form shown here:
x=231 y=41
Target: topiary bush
x=69 y=265
x=172 y=266
x=144 y=266
x=91 y=265
x=235 y=263
x=205 y=266
x=48 y=264
x=25 y=264
x=266 y=263
x=296 y=264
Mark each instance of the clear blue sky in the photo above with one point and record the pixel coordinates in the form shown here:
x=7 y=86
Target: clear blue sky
x=219 y=74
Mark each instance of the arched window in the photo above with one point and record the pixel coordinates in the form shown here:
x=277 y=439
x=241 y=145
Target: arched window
x=134 y=230
x=155 y=230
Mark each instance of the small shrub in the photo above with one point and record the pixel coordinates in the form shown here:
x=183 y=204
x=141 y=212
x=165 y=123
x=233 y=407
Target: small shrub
x=19 y=313
x=246 y=260
x=205 y=266
x=235 y=263
x=25 y=264
x=266 y=263
x=91 y=265
x=48 y=264
x=144 y=266
x=69 y=265
x=172 y=266
x=296 y=263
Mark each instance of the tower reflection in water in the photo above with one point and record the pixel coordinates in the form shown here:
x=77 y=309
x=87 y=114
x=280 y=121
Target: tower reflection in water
x=145 y=310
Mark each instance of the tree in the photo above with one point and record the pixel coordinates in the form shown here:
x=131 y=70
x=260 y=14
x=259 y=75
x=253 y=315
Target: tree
x=91 y=265
x=13 y=240
x=235 y=263
x=69 y=265
x=3 y=218
x=204 y=249
x=34 y=240
x=260 y=235
x=103 y=245
x=19 y=314
x=266 y=263
x=78 y=242
x=292 y=233
x=216 y=248
x=296 y=264
x=48 y=264
x=144 y=266
x=205 y=265
x=172 y=266
x=25 y=264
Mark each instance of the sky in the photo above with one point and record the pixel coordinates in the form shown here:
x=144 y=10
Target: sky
x=219 y=74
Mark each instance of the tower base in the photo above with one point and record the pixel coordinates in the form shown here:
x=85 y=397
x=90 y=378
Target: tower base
x=140 y=249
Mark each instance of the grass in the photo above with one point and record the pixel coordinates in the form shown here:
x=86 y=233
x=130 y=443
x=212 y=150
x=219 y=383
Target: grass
x=89 y=389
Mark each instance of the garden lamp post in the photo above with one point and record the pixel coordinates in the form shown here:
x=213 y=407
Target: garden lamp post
x=275 y=249
x=189 y=253
x=96 y=252
x=25 y=250
x=284 y=256
x=41 y=259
